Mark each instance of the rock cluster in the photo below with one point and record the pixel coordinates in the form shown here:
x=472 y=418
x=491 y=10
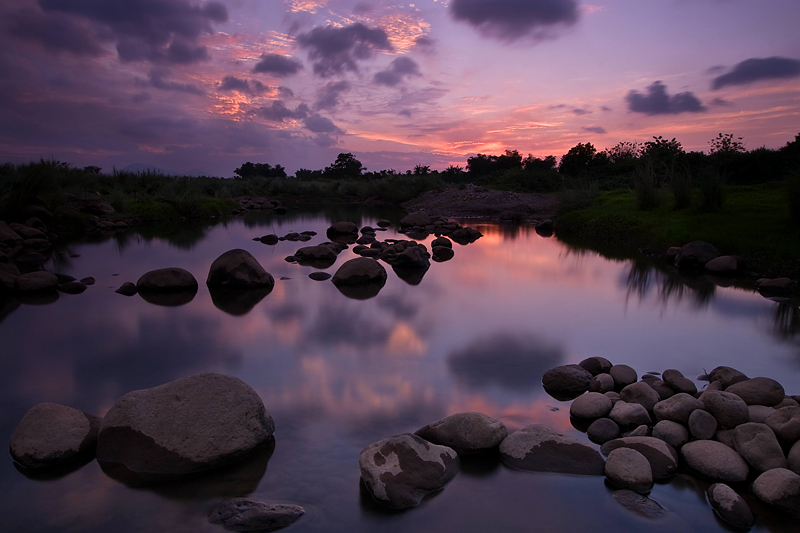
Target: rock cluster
x=738 y=429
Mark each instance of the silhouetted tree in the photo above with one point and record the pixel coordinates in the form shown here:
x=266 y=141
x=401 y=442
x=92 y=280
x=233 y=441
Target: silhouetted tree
x=534 y=163
x=345 y=166
x=252 y=170
x=577 y=160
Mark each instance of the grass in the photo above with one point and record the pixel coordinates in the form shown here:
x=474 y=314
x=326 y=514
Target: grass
x=754 y=222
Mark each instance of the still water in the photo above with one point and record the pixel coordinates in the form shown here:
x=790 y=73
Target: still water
x=336 y=374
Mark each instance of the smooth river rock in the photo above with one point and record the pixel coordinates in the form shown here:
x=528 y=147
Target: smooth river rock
x=779 y=487
x=758 y=391
x=243 y=514
x=757 y=445
x=728 y=408
x=677 y=408
x=238 y=268
x=51 y=434
x=596 y=365
x=189 y=425
x=730 y=506
x=626 y=468
x=466 y=433
x=726 y=375
x=601 y=383
x=590 y=405
x=702 y=425
x=566 y=382
x=715 y=461
x=623 y=375
x=662 y=457
x=401 y=470
x=674 y=434
x=785 y=422
x=37 y=282
x=640 y=393
x=539 y=448
x=166 y=279
x=629 y=414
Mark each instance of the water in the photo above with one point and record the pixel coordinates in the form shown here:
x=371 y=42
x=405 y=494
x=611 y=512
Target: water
x=337 y=374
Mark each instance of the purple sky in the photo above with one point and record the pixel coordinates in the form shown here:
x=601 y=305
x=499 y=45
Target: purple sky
x=193 y=85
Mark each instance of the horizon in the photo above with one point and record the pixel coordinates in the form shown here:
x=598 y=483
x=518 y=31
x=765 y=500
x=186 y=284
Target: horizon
x=208 y=86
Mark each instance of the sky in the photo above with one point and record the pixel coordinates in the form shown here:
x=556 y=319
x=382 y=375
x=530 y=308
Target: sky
x=195 y=86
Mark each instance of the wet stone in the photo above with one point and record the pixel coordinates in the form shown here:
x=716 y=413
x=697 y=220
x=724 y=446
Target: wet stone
x=674 y=434
x=623 y=376
x=626 y=468
x=602 y=430
x=730 y=506
x=590 y=405
x=601 y=383
x=702 y=425
x=243 y=514
x=539 y=448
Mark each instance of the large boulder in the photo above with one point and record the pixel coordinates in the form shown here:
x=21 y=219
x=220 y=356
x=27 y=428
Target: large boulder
x=360 y=278
x=243 y=514
x=662 y=457
x=695 y=254
x=166 y=280
x=50 y=434
x=728 y=408
x=724 y=264
x=730 y=506
x=757 y=445
x=779 y=487
x=186 y=426
x=413 y=257
x=758 y=391
x=793 y=458
x=401 y=470
x=37 y=282
x=566 y=382
x=238 y=269
x=715 y=461
x=539 y=448
x=626 y=468
x=466 y=433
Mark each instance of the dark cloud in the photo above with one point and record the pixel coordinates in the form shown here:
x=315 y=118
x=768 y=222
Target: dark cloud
x=57 y=33
x=399 y=68
x=362 y=8
x=277 y=65
x=424 y=41
x=141 y=97
x=579 y=111
x=285 y=92
x=329 y=96
x=161 y=31
x=232 y=83
x=757 y=69
x=605 y=108
x=721 y=102
x=335 y=50
x=557 y=106
x=155 y=128
x=658 y=102
x=278 y=112
x=405 y=113
x=595 y=129
x=508 y=20
x=319 y=124
x=157 y=80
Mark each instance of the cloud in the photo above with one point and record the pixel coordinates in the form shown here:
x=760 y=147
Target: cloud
x=399 y=68
x=578 y=111
x=155 y=128
x=329 y=95
x=508 y=20
x=405 y=113
x=335 y=50
x=232 y=83
x=757 y=69
x=319 y=124
x=658 y=102
x=157 y=80
x=277 y=65
x=721 y=102
x=595 y=129
x=278 y=112
x=57 y=33
x=159 y=31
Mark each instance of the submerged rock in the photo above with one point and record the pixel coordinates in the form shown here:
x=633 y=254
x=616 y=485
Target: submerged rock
x=539 y=448
x=37 y=282
x=165 y=280
x=730 y=506
x=628 y=469
x=779 y=487
x=244 y=514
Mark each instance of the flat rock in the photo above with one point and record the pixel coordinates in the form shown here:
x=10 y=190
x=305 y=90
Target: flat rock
x=640 y=393
x=702 y=425
x=590 y=405
x=785 y=422
x=50 y=434
x=243 y=514
x=730 y=506
x=726 y=375
x=72 y=287
x=623 y=375
x=466 y=433
x=566 y=382
x=629 y=414
x=401 y=470
x=319 y=276
x=189 y=425
x=640 y=505
x=626 y=468
x=166 y=280
x=238 y=268
x=728 y=408
x=779 y=487
x=319 y=252
x=341 y=228
x=662 y=457
x=757 y=445
x=37 y=282
x=715 y=461
x=602 y=430
x=539 y=448
x=674 y=434
x=758 y=391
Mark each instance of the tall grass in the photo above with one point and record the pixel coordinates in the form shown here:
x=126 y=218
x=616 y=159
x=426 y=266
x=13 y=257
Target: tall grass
x=648 y=195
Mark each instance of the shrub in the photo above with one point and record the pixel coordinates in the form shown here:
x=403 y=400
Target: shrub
x=712 y=189
x=793 y=194
x=648 y=195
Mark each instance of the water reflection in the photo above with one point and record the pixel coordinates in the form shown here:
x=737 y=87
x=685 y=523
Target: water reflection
x=237 y=302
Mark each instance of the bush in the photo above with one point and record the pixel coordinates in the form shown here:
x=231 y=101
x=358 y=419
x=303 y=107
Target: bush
x=648 y=195
x=681 y=187
x=712 y=189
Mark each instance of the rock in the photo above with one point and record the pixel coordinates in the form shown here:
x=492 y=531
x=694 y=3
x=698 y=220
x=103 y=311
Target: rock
x=672 y=433
x=787 y=402
x=72 y=287
x=270 y=239
x=793 y=458
x=442 y=254
x=544 y=228
x=596 y=365
x=418 y=218
x=758 y=391
x=88 y=281
x=590 y=405
x=640 y=393
x=662 y=457
x=726 y=375
x=539 y=448
x=623 y=375
x=566 y=382
x=358 y=271
x=629 y=414
x=759 y=413
x=466 y=433
x=50 y=434
x=342 y=228
x=413 y=257
x=37 y=282
x=166 y=279
x=664 y=391
x=319 y=276
x=723 y=264
x=237 y=268
x=715 y=461
x=464 y=236
x=242 y=514
x=9 y=236
x=127 y=289
x=383 y=223
x=730 y=506
x=189 y=425
x=757 y=445
x=37 y=245
x=602 y=430
x=695 y=254
x=678 y=382
x=702 y=425
x=785 y=422
x=316 y=253
x=641 y=431
x=401 y=470
x=729 y=409
x=31 y=259
x=775 y=287
x=725 y=436
x=641 y=505
x=601 y=383
x=441 y=241
x=779 y=487
x=626 y=468
x=613 y=396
